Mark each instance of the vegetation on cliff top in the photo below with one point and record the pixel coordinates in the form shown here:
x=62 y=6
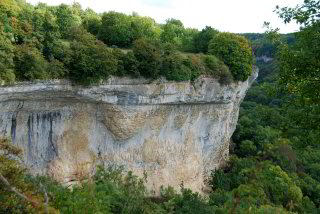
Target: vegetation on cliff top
x=50 y=42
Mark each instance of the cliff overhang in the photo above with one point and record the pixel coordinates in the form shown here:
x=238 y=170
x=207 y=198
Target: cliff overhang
x=174 y=132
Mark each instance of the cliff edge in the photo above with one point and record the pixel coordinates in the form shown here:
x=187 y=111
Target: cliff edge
x=173 y=131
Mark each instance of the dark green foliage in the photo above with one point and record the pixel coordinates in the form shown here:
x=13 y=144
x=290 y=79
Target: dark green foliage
x=247 y=197
x=57 y=70
x=144 y=27
x=62 y=52
x=91 y=61
x=219 y=197
x=148 y=54
x=6 y=58
x=174 y=65
x=188 y=43
x=247 y=148
x=116 y=29
x=66 y=18
x=202 y=39
x=30 y=63
x=130 y=64
x=186 y=202
x=233 y=176
x=235 y=52
x=91 y=21
x=216 y=68
x=50 y=35
x=195 y=63
x=172 y=32
x=266 y=49
x=283 y=155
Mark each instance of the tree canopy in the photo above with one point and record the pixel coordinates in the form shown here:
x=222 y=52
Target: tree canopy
x=235 y=52
x=65 y=41
x=300 y=64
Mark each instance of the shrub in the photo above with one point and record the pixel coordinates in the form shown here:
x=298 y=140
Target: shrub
x=186 y=202
x=148 y=55
x=174 y=65
x=217 y=68
x=62 y=52
x=219 y=197
x=195 y=63
x=235 y=52
x=278 y=185
x=225 y=77
x=91 y=63
x=30 y=63
x=314 y=171
x=120 y=56
x=249 y=195
x=115 y=29
x=56 y=69
x=131 y=64
x=6 y=59
x=202 y=39
x=247 y=148
x=7 y=76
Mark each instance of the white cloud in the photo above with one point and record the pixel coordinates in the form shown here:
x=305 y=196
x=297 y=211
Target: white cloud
x=237 y=16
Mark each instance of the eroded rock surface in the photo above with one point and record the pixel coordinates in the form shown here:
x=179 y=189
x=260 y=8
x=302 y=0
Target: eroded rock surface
x=174 y=132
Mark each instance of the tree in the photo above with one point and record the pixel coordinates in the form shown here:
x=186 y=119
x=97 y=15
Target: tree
x=66 y=19
x=21 y=24
x=51 y=34
x=91 y=61
x=91 y=21
x=216 y=68
x=188 y=42
x=300 y=65
x=116 y=29
x=30 y=63
x=148 y=54
x=6 y=58
x=202 y=39
x=173 y=65
x=235 y=52
x=172 y=32
x=144 y=27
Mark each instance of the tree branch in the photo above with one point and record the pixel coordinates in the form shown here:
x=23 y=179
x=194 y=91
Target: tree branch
x=13 y=189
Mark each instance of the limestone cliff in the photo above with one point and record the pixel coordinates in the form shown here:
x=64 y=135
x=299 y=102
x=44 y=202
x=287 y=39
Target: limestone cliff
x=175 y=132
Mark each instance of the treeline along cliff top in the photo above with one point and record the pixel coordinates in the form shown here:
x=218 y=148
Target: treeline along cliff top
x=65 y=41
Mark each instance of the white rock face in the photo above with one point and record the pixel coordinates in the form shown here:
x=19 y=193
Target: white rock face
x=173 y=132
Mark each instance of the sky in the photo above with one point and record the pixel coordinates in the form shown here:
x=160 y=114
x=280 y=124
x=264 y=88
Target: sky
x=237 y=16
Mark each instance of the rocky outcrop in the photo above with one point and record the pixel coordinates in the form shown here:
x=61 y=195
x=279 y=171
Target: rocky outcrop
x=173 y=132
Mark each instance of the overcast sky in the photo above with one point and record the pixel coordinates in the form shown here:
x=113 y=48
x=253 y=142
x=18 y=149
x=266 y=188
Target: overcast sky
x=237 y=16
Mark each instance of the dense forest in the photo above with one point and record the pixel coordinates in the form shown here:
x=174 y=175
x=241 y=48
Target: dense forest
x=55 y=42
x=274 y=164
